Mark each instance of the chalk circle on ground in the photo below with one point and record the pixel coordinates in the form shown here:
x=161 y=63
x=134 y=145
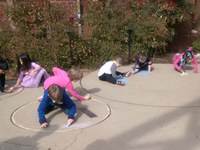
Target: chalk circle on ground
x=14 y=92
x=89 y=113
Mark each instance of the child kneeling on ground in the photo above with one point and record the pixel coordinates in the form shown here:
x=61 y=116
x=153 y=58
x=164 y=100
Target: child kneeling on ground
x=144 y=62
x=56 y=96
x=180 y=61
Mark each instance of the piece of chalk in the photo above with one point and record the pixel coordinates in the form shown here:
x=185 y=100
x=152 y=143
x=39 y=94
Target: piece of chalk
x=68 y=124
x=184 y=73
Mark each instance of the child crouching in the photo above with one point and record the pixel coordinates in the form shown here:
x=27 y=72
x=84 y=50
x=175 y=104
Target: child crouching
x=56 y=96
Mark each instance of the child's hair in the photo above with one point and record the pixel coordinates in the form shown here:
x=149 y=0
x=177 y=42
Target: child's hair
x=119 y=60
x=3 y=65
x=188 y=54
x=55 y=92
x=143 y=55
x=75 y=73
x=26 y=62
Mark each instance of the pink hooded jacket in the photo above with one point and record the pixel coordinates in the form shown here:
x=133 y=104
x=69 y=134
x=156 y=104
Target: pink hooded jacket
x=178 y=59
x=62 y=79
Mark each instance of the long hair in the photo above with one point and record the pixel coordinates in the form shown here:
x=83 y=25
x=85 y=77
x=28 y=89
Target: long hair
x=26 y=62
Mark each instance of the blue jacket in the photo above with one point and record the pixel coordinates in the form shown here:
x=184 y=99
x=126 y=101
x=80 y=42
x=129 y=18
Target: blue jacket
x=47 y=104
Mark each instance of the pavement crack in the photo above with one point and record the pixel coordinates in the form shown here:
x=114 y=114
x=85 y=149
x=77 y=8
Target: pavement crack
x=75 y=139
x=16 y=144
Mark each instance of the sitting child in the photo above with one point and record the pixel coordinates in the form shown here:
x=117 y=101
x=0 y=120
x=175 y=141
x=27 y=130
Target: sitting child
x=180 y=61
x=108 y=72
x=3 y=68
x=30 y=73
x=142 y=63
x=56 y=96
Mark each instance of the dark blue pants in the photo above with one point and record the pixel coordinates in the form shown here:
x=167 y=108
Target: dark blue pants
x=109 y=77
x=2 y=82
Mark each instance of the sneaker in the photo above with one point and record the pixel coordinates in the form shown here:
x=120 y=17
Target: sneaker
x=120 y=83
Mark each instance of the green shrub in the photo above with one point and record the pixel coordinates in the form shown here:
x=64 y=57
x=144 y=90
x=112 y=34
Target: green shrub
x=44 y=30
x=196 y=45
x=151 y=22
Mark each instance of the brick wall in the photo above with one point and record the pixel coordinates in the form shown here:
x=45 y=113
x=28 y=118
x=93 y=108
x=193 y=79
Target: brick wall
x=72 y=10
x=71 y=4
x=197 y=4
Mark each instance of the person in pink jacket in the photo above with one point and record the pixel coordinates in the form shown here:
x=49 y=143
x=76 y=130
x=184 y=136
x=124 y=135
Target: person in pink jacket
x=64 y=79
x=180 y=61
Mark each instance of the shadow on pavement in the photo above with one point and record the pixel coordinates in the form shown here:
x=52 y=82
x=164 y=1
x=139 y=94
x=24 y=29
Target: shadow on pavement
x=133 y=139
x=26 y=142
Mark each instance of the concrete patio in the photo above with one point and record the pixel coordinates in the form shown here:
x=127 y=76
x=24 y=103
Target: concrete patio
x=159 y=111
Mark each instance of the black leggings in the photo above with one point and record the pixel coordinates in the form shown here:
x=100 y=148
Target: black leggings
x=2 y=82
x=109 y=77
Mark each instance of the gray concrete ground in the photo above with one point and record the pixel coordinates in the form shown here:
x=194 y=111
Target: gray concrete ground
x=159 y=111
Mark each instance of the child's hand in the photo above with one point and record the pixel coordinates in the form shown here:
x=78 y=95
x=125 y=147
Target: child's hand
x=184 y=73
x=44 y=125
x=2 y=71
x=87 y=97
x=31 y=73
x=69 y=122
